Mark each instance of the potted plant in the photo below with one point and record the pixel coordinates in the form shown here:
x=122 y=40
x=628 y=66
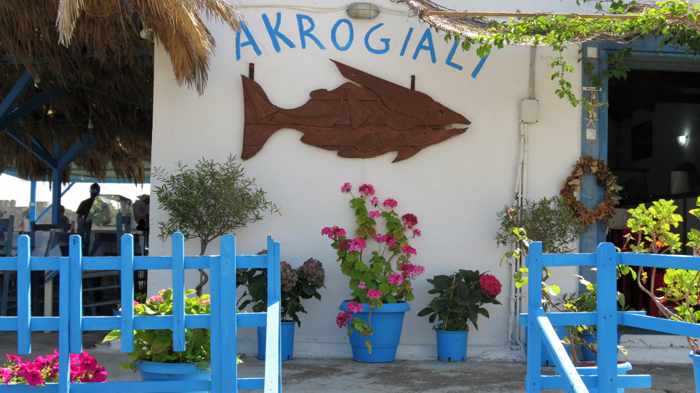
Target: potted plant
x=207 y=201
x=377 y=259
x=651 y=231
x=44 y=369
x=153 y=354
x=459 y=301
x=298 y=284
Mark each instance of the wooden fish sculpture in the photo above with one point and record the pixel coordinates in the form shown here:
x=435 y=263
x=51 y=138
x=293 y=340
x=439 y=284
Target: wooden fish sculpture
x=364 y=118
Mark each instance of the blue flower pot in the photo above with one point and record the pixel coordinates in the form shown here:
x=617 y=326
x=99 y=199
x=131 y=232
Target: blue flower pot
x=696 y=370
x=452 y=345
x=287 y=332
x=622 y=369
x=155 y=371
x=386 y=323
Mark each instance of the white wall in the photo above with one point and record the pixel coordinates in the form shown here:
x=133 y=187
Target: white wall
x=455 y=187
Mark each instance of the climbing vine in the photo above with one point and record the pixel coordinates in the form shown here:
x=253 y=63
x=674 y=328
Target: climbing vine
x=675 y=22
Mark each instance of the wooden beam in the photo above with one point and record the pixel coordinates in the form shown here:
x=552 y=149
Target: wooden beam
x=513 y=14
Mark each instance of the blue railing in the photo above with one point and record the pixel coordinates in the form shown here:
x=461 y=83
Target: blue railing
x=223 y=320
x=540 y=324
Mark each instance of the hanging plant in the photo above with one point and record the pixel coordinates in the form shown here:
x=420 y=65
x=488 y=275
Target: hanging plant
x=572 y=186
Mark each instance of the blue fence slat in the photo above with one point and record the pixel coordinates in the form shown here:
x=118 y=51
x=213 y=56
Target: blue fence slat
x=126 y=280
x=550 y=382
x=64 y=310
x=251 y=319
x=273 y=358
x=75 y=252
x=229 y=330
x=251 y=262
x=534 y=303
x=47 y=263
x=661 y=261
x=606 y=304
x=143 y=387
x=564 y=365
x=178 y=276
x=24 y=296
x=553 y=260
x=215 y=327
x=251 y=383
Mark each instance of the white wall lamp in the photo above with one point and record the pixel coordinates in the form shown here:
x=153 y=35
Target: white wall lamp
x=361 y=10
x=684 y=139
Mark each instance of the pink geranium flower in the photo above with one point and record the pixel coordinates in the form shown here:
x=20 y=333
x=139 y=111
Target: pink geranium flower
x=155 y=299
x=345 y=188
x=395 y=279
x=362 y=285
x=374 y=201
x=375 y=214
x=390 y=203
x=343 y=318
x=374 y=293
x=357 y=244
x=409 y=220
x=366 y=190
x=408 y=250
x=411 y=270
x=417 y=232
x=354 y=307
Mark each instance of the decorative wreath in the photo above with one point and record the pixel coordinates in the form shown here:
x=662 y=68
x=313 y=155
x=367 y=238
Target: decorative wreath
x=606 y=209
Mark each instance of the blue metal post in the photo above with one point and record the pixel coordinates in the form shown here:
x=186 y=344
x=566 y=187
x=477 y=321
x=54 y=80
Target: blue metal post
x=534 y=309
x=178 y=276
x=606 y=300
x=32 y=203
x=55 y=196
x=127 y=293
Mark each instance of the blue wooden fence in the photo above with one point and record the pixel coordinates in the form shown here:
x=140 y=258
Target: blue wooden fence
x=540 y=324
x=223 y=321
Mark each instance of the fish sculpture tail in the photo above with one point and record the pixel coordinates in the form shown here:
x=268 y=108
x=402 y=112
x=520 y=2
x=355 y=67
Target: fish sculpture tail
x=258 y=111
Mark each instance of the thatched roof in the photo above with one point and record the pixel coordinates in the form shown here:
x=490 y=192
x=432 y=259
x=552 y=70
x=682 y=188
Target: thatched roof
x=94 y=52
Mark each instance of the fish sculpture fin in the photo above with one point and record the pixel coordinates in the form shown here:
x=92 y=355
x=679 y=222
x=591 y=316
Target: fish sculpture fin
x=406 y=152
x=258 y=111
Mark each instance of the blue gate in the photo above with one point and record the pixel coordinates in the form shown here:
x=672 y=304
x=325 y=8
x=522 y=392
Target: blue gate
x=223 y=320
x=540 y=324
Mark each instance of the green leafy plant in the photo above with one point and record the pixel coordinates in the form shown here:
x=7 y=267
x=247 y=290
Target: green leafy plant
x=460 y=298
x=209 y=200
x=298 y=285
x=157 y=345
x=381 y=272
x=652 y=231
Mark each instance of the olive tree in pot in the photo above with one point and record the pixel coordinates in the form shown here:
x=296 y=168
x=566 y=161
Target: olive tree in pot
x=459 y=301
x=298 y=284
x=208 y=200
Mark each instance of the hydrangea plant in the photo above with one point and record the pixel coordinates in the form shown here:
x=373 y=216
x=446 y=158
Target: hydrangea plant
x=44 y=369
x=297 y=285
x=377 y=258
x=157 y=345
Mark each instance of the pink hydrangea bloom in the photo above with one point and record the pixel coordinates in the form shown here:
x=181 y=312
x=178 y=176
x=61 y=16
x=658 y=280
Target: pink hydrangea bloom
x=354 y=307
x=345 y=188
x=374 y=293
x=375 y=214
x=343 y=318
x=490 y=284
x=396 y=279
x=366 y=190
x=357 y=244
x=362 y=285
x=390 y=203
x=408 y=250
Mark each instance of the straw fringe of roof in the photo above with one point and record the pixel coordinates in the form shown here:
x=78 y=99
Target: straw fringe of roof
x=105 y=69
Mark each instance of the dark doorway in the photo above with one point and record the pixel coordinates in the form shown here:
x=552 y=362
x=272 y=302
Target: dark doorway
x=654 y=148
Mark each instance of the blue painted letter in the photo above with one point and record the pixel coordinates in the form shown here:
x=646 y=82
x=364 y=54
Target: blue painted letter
x=385 y=41
x=334 y=34
x=307 y=32
x=426 y=43
x=409 y=35
x=249 y=41
x=274 y=32
x=450 y=57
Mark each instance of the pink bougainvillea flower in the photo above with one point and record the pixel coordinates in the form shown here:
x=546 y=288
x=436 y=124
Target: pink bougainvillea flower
x=396 y=279
x=12 y=358
x=155 y=299
x=6 y=374
x=417 y=232
x=354 y=307
x=374 y=201
x=357 y=244
x=409 y=220
x=375 y=214
x=31 y=374
x=366 y=190
x=390 y=203
x=362 y=285
x=374 y=293
x=346 y=187
x=408 y=250
x=343 y=318
x=490 y=284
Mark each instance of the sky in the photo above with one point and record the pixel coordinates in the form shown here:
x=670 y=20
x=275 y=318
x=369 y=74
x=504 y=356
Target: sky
x=12 y=188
